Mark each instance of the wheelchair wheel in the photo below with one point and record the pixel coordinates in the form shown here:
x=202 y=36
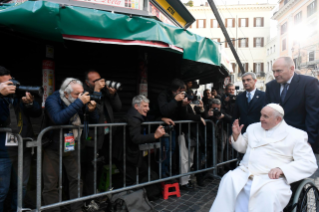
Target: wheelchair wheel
x=306 y=197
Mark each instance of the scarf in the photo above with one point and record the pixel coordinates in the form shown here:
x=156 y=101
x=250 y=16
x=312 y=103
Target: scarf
x=75 y=120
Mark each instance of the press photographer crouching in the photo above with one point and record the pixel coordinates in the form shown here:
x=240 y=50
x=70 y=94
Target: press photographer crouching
x=16 y=108
x=110 y=102
x=65 y=107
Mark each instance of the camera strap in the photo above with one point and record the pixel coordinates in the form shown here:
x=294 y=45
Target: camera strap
x=13 y=120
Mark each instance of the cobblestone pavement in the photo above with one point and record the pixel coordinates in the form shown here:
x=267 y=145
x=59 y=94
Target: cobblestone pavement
x=202 y=198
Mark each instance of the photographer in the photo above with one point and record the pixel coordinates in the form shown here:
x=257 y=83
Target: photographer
x=207 y=95
x=228 y=99
x=20 y=108
x=110 y=102
x=215 y=113
x=64 y=107
x=192 y=112
x=136 y=135
x=222 y=120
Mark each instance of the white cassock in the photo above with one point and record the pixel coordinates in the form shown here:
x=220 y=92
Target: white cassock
x=284 y=147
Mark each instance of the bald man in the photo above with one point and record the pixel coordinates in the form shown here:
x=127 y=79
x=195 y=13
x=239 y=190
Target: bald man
x=276 y=155
x=298 y=95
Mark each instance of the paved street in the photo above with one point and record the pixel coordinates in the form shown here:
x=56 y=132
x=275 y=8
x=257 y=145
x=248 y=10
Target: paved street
x=201 y=199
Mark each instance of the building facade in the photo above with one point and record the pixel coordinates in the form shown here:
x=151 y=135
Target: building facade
x=299 y=34
x=247 y=25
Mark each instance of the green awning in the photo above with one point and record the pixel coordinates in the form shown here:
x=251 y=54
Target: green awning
x=50 y=21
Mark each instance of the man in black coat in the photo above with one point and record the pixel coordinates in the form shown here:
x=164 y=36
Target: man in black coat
x=249 y=103
x=110 y=102
x=136 y=134
x=298 y=95
x=227 y=99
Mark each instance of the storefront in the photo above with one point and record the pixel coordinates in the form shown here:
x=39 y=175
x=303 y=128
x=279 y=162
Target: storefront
x=44 y=42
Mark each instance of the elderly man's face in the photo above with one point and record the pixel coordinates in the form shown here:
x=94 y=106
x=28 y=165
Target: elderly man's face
x=282 y=71
x=77 y=90
x=268 y=119
x=142 y=108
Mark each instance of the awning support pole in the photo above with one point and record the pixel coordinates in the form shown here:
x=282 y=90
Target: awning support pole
x=222 y=27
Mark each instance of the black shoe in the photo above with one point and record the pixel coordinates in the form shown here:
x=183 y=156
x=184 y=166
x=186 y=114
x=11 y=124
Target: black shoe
x=187 y=187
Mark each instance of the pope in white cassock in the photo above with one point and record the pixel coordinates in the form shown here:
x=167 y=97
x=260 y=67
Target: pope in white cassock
x=276 y=155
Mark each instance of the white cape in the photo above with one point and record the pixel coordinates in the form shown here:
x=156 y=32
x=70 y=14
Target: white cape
x=287 y=148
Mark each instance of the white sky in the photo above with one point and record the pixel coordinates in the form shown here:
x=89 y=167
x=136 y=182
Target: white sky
x=229 y=2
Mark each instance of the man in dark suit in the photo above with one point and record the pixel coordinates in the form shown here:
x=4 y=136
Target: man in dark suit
x=249 y=103
x=298 y=95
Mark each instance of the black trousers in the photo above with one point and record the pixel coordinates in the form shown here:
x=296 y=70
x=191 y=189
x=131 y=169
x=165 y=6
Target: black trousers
x=50 y=173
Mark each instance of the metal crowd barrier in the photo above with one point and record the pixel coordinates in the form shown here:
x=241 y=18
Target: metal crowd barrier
x=210 y=129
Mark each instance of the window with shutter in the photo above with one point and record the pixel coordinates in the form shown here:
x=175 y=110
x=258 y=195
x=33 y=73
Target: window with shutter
x=312 y=8
x=230 y=22
x=201 y=23
x=243 y=42
x=283 y=44
x=311 y=56
x=243 y=22
x=297 y=18
x=254 y=68
x=246 y=42
x=284 y=28
x=259 y=22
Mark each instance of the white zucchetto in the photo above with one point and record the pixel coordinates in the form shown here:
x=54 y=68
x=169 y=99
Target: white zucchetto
x=276 y=107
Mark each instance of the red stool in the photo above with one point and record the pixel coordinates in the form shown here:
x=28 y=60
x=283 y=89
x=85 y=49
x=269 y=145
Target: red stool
x=167 y=193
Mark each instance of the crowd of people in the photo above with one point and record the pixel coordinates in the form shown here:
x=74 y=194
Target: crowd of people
x=92 y=102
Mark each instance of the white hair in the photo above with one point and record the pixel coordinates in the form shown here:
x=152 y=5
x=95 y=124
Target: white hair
x=67 y=85
x=138 y=99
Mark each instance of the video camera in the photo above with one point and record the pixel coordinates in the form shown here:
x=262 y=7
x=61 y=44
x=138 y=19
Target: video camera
x=21 y=89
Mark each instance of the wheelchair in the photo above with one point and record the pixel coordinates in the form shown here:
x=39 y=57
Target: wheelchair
x=304 y=198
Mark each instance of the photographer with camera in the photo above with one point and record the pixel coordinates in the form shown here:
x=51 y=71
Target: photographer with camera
x=136 y=135
x=172 y=104
x=110 y=102
x=16 y=108
x=228 y=99
x=69 y=105
x=193 y=112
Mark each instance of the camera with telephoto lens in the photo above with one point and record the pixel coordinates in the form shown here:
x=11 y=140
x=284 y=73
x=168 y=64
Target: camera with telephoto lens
x=216 y=112
x=93 y=97
x=168 y=128
x=113 y=84
x=21 y=89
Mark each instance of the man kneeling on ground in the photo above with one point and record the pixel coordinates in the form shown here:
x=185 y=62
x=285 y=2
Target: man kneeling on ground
x=276 y=155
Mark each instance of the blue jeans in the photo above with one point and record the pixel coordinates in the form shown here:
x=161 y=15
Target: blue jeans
x=9 y=179
x=166 y=152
